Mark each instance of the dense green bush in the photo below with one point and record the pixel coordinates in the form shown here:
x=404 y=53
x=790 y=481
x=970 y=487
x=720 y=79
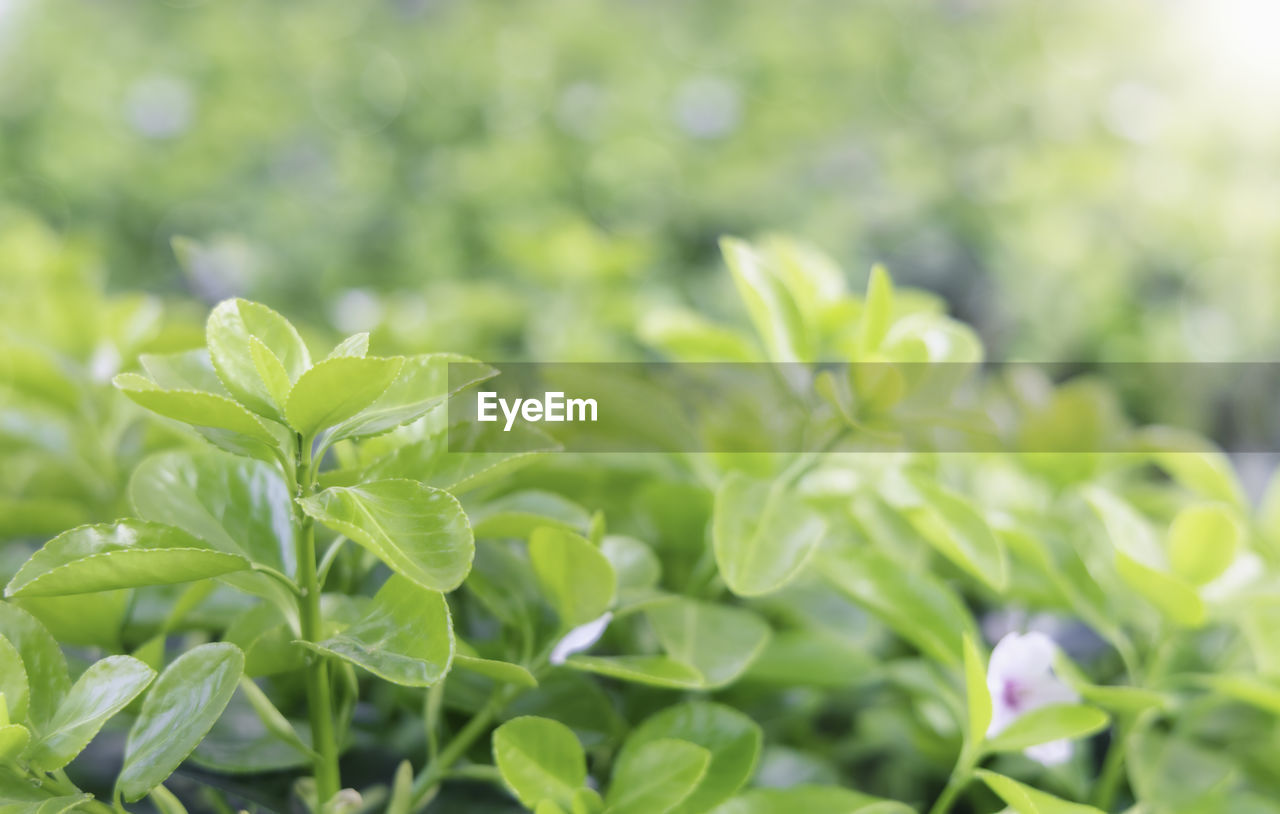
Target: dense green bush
x=323 y=606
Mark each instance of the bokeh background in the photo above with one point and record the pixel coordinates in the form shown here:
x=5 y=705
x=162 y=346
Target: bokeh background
x=1086 y=181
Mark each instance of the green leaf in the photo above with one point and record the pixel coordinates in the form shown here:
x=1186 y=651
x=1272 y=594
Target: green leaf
x=656 y=777
x=877 y=312
x=656 y=671
x=337 y=389
x=812 y=657
x=1203 y=542
x=43 y=663
x=978 y=697
x=1257 y=691
x=179 y=710
x=773 y=311
x=424 y=382
x=195 y=407
x=505 y=672
x=231 y=327
x=405 y=635
x=763 y=534
x=13 y=740
x=103 y=690
x=573 y=574
x=126 y=554
x=810 y=800
x=354 y=345
x=718 y=641
x=235 y=505
x=732 y=739
x=1116 y=698
x=1026 y=800
x=637 y=567
x=464 y=455
x=540 y=759
x=272 y=718
x=13 y=683
x=86 y=620
x=519 y=513
x=1051 y=723
x=1173 y=597
x=165 y=802
x=401 y=800
x=420 y=533
x=271 y=371
x=952 y=526
x=915 y=604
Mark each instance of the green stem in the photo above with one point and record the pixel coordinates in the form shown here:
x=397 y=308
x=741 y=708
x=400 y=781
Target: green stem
x=319 y=692
x=1104 y=795
x=960 y=777
x=424 y=788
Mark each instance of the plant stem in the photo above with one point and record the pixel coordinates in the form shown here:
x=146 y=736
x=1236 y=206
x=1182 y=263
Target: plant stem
x=424 y=786
x=960 y=777
x=1104 y=795
x=319 y=692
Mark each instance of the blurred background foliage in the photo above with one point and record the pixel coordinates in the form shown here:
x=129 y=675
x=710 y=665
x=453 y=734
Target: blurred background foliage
x=1082 y=181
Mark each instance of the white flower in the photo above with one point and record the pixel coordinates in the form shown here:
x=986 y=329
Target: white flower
x=1020 y=679
x=580 y=638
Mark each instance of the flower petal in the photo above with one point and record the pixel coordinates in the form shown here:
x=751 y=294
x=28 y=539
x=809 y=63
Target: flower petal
x=1022 y=655
x=1053 y=753
x=580 y=638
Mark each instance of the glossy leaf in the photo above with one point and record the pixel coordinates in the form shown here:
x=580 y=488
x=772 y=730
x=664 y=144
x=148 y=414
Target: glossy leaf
x=355 y=345
x=762 y=533
x=423 y=383
x=731 y=739
x=337 y=389
x=231 y=327
x=656 y=671
x=13 y=741
x=777 y=320
x=656 y=777
x=405 y=635
x=540 y=759
x=573 y=574
x=179 y=710
x=43 y=663
x=1051 y=723
x=235 y=505
x=126 y=554
x=195 y=407
x=421 y=533
x=464 y=455
x=960 y=534
x=103 y=690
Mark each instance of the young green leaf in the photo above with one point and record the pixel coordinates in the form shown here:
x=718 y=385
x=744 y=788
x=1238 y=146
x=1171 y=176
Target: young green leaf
x=126 y=554
x=977 y=696
x=877 y=311
x=354 y=345
x=196 y=408
x=573 y=574
x=424 y=382
x=1203 y=541
x=14 y=685
x=519 y=513
x=103 y=690
x=656 y=671
x=810 y=800
x=231 y=327
x=915 y=604
x=771 y=307
x=732 y=740
x=959 y=533
x=165 y=802
x=179 y=710
x=43 y=664
x=420 y=533
x=1051 y=723
x=1026 y=800
x=762 y=533
x=464 y=455
x=718 y=641
x=465 y=658
x=656 y=777
x=337 y=389
x=636 y=565
x=405 y=635
x=235 y=505
x=271 y=371
x=540 y=759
